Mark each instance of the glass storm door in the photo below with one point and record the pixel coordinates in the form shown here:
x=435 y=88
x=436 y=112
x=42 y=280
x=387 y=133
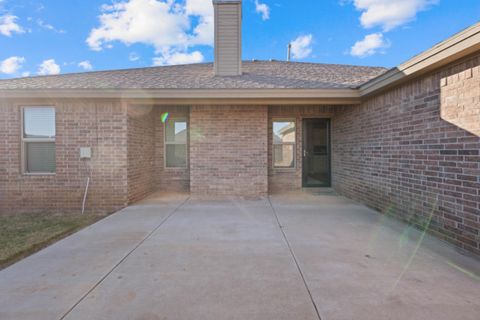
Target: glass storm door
x=316 y=153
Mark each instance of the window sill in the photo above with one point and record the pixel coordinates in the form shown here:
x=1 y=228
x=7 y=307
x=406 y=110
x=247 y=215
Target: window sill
x=284 y=169
x=39 y=174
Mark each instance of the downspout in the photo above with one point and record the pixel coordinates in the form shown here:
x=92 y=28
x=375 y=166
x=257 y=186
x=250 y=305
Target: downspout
x=85 y=155
x=85 y=195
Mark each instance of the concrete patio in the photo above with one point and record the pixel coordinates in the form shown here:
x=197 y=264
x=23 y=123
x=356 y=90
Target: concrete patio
x=295 y=256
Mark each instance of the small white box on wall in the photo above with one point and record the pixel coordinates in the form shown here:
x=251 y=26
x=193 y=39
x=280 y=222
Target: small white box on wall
x=85 y=153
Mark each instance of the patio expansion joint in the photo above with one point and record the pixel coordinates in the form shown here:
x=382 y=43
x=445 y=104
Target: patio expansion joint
x=175 y=210
x=294 y=257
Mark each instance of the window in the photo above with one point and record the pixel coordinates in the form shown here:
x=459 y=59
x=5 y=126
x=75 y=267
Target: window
x=38 y=139
x=284 y=144
x=176 y=133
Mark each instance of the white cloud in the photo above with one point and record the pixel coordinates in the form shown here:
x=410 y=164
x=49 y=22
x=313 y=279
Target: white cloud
x=302 y=46
x=86 y=65
x=370 y=45
x=26 y=74
x=178 y=58
x=262 y=9
x=170 y=26
x=133 y=56
x=389 y=14
x=203 y=32
x=11 y=65
x=8 y=25
x=42 y=24
x=48 y=67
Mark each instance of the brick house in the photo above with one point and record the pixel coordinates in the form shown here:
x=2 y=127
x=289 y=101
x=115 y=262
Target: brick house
x=404 y=140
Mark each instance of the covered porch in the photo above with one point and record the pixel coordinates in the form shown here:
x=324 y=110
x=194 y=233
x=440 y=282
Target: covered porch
x=229 y=150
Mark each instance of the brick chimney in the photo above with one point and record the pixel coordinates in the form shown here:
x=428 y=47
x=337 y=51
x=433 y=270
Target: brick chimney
x=228 y=37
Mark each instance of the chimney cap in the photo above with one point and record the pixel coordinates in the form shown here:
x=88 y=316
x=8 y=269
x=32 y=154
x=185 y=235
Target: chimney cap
x=226 y=1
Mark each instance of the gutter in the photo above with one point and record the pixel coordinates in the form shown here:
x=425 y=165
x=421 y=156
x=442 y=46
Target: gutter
x=198 y=96
x=454 y=48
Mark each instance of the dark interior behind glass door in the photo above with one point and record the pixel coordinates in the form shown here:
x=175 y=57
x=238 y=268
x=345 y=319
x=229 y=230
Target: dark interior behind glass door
x=316 y=153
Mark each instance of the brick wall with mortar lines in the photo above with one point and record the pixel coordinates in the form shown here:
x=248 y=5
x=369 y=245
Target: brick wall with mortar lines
x=281 y=180
x=98 y=124
x=141 y=151
x=169 y=179
x=460 y=98
x=228 y=150
x=395 y=154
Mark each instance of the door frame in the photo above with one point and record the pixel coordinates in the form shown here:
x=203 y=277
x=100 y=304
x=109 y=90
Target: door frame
x=329 y=151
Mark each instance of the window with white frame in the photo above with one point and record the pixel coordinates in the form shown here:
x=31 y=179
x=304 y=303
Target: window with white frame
x=176 y=135
x=38 y=140
x=284 y=140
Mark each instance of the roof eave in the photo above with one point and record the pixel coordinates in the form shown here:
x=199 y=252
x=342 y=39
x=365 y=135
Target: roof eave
x=198 y=96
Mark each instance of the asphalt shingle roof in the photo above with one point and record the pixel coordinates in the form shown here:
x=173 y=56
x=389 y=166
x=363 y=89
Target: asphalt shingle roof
x=256 y=75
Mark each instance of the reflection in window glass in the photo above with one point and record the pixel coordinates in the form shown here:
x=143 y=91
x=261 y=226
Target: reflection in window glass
x=284 y=133
x=39 y=122
x=284 y=155
x=176 y=133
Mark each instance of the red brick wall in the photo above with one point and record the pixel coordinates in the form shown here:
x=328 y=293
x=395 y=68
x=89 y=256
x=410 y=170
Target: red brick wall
x=281 y=180
x=460 y=97
x=229 y=150
x=100 y=125
x=141 y=151
x=396 y=154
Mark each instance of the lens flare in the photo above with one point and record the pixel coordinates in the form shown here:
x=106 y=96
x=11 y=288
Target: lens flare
x=389 y=212
x=424 y=229
x=464 y=271
x=404 y=237
x=165 y=117
x=197 y=135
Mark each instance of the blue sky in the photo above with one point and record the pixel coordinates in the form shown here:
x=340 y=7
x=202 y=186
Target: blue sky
x=57 y=36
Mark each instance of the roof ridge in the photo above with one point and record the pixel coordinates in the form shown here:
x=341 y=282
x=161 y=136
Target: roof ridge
x=188 y=65
x=318 y=63
x=257 y=75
